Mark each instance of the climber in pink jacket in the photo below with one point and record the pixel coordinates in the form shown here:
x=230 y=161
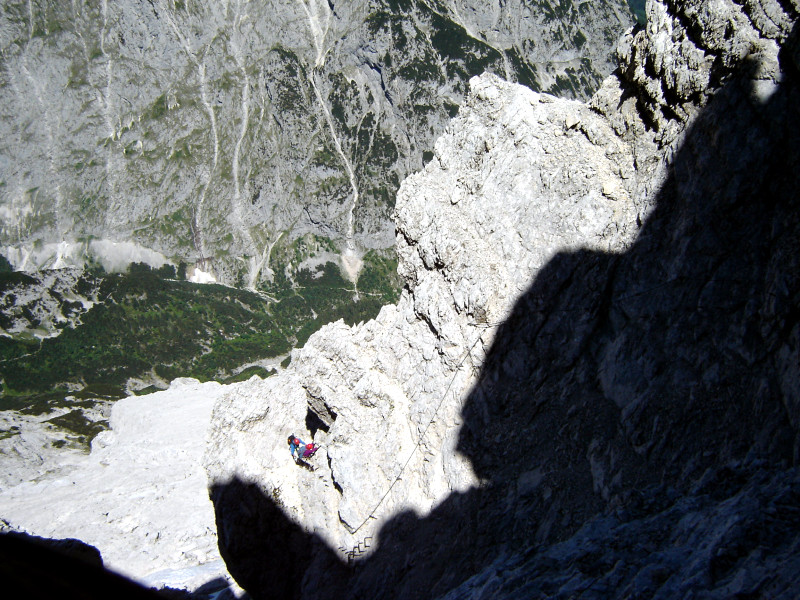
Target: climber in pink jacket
x=300 y=449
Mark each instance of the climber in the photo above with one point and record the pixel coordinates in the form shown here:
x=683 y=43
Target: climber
x=302 y=449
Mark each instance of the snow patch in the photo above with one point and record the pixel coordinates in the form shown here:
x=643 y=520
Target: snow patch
x=200 y=276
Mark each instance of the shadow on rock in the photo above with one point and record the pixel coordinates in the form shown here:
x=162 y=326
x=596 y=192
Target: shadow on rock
x=266 y=550
x=633 y=406
x=35 y=567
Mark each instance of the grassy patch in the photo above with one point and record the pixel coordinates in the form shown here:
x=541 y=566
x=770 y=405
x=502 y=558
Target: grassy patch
x=453 y=43
x=7 y=433
x=247 y=373
x=77 y=423
x=379 y=276
x=146 y=322
x=150 y=389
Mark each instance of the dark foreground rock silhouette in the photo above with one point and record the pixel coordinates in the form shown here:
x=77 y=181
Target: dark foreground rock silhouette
x=35 y=567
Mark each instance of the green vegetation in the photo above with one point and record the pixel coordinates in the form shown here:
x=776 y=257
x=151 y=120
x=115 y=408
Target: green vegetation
x=326 y=157
x=327 y=297
x=308 y=299
x=78 y=73
x=149 y=323
x=176 y=226
x=379 y=276
x=288 y=78
x=247 y=373
x=158 y=109
x=7 y=433
x=145 y=323
x=454 y=44
x=573 y=81
x=420 y=70
x=388 y=22
x=557 y=11
x=76 y=422
x=526 y=74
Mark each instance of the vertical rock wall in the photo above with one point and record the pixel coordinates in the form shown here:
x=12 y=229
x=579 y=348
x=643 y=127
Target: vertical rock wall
x=593 y=365
x=213 y=132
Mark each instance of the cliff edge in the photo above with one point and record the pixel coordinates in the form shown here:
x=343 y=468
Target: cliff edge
x=589 y=387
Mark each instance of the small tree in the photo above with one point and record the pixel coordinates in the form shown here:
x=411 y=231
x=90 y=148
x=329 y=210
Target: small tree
x=166 y=271
x=139 y=267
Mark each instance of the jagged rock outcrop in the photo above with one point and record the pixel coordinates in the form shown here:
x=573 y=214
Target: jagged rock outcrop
x=374 y=388
x=46 y=302
x=589 y=385
x=690 y=48
x=220 y=133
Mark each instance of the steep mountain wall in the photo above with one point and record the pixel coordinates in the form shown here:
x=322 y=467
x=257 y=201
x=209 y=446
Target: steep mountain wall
x=589 y=387
x=218 y=133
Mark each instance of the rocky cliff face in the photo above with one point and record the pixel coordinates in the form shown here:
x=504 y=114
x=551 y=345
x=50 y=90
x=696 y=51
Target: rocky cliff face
x=219 y=133
x=589 y=387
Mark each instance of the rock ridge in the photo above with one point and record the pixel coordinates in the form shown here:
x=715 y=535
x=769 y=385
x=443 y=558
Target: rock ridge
x=593 y=364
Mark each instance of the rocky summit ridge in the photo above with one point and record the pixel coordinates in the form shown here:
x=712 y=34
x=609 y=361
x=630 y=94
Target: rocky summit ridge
x=589 y=387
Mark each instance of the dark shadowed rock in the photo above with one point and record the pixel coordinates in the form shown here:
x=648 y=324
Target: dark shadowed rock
x=35 y=567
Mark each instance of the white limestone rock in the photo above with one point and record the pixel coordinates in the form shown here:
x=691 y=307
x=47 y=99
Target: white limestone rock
x=140 y=496
x=688 y=49
x=206 y=132
x=517 y=177
x=42 y=304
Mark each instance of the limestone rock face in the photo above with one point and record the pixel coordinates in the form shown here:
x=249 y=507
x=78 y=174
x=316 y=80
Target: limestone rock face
x=589 y=383
x=216 y=133
x=688 y=48
x=384 y=398
x=464 y=260
x=43 y=303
